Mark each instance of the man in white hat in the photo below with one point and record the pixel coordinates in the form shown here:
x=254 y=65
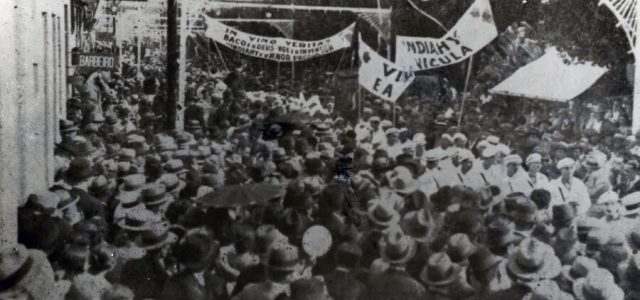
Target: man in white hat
x=567 y=188
x=597 y=180
x=448 y=150
x=536 y=179
x=486 y=168
x=420 y=142
x=460 y=140
x=516 y=179
x=432 y=179
x=392 y=145
x=378 y=135
x=467 y=162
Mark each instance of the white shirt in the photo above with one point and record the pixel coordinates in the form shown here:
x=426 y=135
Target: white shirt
x=562 y=194
x=519 y=182
x=541 y=181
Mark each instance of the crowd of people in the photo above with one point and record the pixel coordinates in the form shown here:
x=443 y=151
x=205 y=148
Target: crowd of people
x=269 y=195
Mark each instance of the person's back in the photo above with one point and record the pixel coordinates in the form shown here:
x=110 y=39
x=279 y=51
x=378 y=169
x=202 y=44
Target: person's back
x=144 y=276
x=342 y=285
x=393 y=285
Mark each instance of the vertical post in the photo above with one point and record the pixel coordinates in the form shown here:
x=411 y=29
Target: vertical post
x=278 y=76
x=635 y=117
x=183 y=59
x=172 y=64
x=636 y=86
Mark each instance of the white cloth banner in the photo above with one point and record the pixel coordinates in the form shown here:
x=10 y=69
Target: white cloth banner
x=380 y=76
x=276 y=48
x=473 y=31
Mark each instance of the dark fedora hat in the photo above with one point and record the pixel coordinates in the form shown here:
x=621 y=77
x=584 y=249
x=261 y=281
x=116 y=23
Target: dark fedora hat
x=439 y=270
x=196 y=249
x=481 y=261
x=397 y=248
x=563 y=214
x=285 y=258
x=460 y=247
x=79 y=169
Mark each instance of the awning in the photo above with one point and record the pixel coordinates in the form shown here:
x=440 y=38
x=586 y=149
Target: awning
x=550 y=78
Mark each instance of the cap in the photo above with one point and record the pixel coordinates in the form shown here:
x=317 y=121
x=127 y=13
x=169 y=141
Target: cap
x=447 y=137
x=494 y=140
x=459 y=136
x=433 y=155
x=465 y=154
x=534 y=158
x=565 y=162
x=489 y=152
x=513 y=159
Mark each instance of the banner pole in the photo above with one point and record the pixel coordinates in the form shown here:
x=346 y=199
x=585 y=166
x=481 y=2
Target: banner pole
x=359 y=102
x=394 y=114
x=464 y=92
x=277 y=76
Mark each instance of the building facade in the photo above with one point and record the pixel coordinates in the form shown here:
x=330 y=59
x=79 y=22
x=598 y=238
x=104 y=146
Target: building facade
x=36 y=39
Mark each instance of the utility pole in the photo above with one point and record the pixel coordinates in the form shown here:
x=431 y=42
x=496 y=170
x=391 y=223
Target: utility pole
x=173 y=53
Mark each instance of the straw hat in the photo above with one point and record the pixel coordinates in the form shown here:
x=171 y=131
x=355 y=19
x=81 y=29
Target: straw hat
x=534 y=260
x=382 y=214
x=397 y=248
x=156 y=236
x=598 y=285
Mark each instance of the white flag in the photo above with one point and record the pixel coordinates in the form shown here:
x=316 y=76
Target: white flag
x=380 y=76
x=473 y=32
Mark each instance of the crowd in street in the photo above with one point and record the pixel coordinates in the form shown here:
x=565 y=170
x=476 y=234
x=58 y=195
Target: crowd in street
x=268 y=194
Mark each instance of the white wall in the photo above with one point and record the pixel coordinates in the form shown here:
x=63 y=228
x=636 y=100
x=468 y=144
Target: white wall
x=33 y=91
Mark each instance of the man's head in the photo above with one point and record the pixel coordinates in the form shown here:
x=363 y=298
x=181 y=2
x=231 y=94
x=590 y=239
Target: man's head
x=512 y=162
x=565 y=166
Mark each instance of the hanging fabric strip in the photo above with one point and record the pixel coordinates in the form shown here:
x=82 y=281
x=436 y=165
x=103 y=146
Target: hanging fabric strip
x=276 y=48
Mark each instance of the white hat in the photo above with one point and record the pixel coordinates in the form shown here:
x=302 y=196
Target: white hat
x=513 y=159
x=504 y=149
x=608 y=197
x=460 y=136
x=490 y=151
x=446 y=136
x=419 y=138
x=392 y=130
x=465 y=154
x=565 y=162
x=494 y=140
x=374 y=118
x=385 y=123
x=534 y=158
x=433 y=155
x=483 y=144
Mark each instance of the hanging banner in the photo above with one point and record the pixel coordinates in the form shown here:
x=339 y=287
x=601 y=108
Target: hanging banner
x=380 y=76
x=473 y=32
x=276 y=48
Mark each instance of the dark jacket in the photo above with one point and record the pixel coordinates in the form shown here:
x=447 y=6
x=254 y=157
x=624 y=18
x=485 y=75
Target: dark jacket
x=342 y=285
x=393 y=285
x=145 y=277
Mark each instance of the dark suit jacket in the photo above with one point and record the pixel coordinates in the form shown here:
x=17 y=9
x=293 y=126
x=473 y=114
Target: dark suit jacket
x=89 y=205
x=184 y=285
x=254 y=274
x=342 y=285
x=393 y=285
x=144 y=277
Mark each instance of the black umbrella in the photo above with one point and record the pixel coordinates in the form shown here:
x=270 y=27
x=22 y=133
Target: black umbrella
x=241 y=194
